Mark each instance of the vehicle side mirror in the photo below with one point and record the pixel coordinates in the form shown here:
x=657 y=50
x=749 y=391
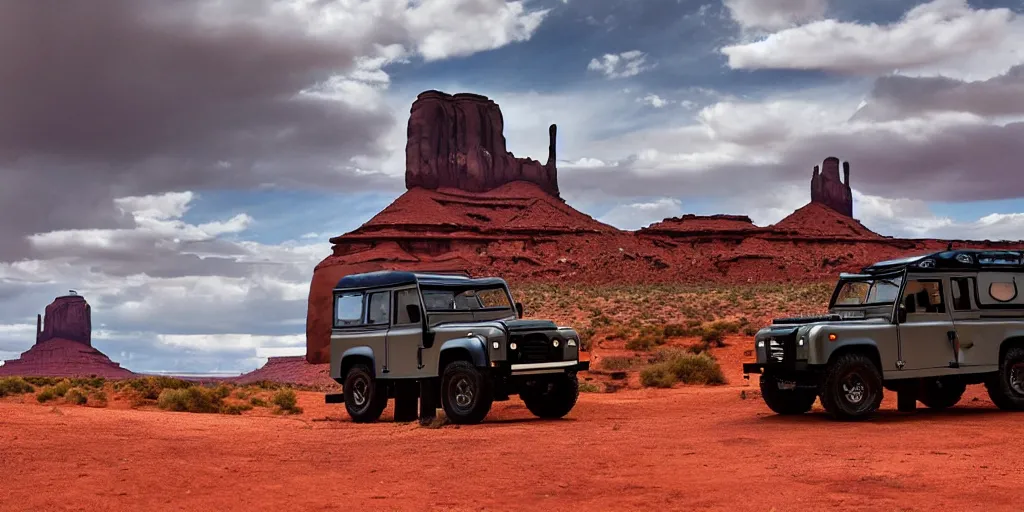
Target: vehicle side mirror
x=414 y=313
x=901 y=314
x=519 y=309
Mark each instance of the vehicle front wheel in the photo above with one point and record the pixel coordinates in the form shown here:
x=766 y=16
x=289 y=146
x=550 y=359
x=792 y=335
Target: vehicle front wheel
x=365 y=396
x=852 y=388
x=552 y=398
x=941 y=393
x=1006 y=388
x=785 y=401
x=466 y=393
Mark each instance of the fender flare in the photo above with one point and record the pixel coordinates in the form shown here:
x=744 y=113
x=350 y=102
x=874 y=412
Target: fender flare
x=472 y=344
x=361 y=351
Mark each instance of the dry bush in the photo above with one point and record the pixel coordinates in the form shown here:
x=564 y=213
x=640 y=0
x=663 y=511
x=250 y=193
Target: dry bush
x=286 y=401
x=618 y=363
x=14 y=386
x=191 y=399
x=76 y=396
x=589 y=387
x=672 y=366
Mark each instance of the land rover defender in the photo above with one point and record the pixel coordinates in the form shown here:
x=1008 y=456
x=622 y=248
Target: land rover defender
x=448 y=338
x=924 y=327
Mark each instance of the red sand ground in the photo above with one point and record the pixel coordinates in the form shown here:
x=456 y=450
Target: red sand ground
x=690 y=448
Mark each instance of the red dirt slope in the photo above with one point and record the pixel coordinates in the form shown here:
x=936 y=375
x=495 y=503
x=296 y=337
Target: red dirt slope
x=58 y=357
x=289 y=370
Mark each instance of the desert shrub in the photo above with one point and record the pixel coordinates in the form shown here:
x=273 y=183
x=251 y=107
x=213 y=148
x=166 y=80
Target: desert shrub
x=586 y=339
x=589 y=387
x=286 y=401
x=97 y=399
x=640 y=343
x=223 y=391
x=14 y=386
x=750 y=330
x=190 y=399
x=243 y=394
x=150 y=388
x=680 y=366
x=234 y=408
x=618 y=363
x=713 y=337
x=258 y=402
x=76 y=396
x=61 y=388
x=46 y=394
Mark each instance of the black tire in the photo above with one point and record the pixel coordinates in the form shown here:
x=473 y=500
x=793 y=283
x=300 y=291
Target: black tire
x=852 y=388
x=552 y=398
x=466 y=393
x=365 y=396
x=1006 y=388
x=785 y=401
x=941 y=393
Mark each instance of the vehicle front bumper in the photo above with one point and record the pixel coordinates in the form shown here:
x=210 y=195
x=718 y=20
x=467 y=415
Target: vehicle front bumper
x=797 y=366
x=541 y=368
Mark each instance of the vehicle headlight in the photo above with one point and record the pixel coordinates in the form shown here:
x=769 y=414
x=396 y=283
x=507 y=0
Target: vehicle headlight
x=496 y=345
x=555 y=343
x=512 y=345
x=571 y=343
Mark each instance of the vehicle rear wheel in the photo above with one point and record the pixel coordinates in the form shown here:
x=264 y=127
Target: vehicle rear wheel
x=552 y=398
x=852 y=388
x=941 y=393
x=785 y=401
x=365 y=396
x=1006 y=388
x=466 y=393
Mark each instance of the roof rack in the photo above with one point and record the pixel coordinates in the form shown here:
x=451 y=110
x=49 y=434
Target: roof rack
x=961 y=259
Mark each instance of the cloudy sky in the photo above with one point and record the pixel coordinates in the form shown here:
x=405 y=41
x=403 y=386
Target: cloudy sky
x=182 y=164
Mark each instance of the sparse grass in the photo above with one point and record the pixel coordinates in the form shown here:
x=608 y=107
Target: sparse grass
x=618 y=363
x=14 y=386
x=235 y=408
x=672 y=366
x=286 y=402
x=648 y=316
x=589 y=387
x=257 y=402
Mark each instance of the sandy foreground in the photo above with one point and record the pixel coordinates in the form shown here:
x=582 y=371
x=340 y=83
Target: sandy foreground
x=681 y=449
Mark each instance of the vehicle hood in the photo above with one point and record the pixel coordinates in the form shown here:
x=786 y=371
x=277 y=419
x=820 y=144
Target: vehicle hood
x=529 y=325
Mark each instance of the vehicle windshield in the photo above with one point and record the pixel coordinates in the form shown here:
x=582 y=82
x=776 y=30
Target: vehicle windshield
x=864 y=292
x=461 y=299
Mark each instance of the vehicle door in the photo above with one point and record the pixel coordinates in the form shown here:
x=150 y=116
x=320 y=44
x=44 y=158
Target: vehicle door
x=966 y=322
x=925 y=335
x=405 y=336
x=378 y=312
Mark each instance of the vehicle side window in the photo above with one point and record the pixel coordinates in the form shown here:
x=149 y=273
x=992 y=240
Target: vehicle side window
x=405 y=298
x=379 y=311
x=924 y=296
x=348 y=309
x=961 y=293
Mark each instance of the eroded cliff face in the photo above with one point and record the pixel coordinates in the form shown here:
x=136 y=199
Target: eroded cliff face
x=457 y=141
x=827 y=189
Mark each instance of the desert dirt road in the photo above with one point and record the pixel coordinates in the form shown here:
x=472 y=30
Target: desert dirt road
x=680 y=449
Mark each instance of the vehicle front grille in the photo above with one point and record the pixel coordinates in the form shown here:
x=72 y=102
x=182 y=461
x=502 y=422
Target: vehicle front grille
x=532 y=348
x=776 y=351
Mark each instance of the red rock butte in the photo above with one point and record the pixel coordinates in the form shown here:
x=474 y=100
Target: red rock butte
x=63 y=345
x=472 y=207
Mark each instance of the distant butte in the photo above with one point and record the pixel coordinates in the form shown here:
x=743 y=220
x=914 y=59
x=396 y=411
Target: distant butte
x=472 y=206
x=63 y=345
